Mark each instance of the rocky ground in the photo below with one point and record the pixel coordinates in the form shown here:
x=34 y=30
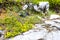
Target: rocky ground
x=49 y=30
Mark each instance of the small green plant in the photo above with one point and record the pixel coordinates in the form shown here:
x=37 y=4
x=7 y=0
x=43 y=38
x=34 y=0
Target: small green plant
x=13 y=27
x=34 y=19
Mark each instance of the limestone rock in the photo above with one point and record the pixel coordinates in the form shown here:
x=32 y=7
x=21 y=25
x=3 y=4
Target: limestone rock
x=54 y=16
x=54 y=35
x=49 y=22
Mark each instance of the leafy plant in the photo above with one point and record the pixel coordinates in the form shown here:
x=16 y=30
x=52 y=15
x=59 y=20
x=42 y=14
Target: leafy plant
x=54 y=3
x=13 y=27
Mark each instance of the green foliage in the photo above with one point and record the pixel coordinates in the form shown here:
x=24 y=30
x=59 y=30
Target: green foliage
x=14 y=27
x=17 y=0
x=37 y=1
x=31 y=19
x=54 y=3
x=34 y=19
x=0 y=1
x=15 y=8
x=10 y=1
x=14 y=0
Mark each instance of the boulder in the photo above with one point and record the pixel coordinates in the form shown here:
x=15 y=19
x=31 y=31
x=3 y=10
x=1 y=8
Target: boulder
x=54 y=35
x=44 y=6
x=56 y=25
x=57 y=21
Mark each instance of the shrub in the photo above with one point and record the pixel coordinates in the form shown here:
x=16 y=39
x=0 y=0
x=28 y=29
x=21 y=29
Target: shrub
x=54 y=3
x=1 y=1
x=13 y=27
x=1 y=28
x=37 y=1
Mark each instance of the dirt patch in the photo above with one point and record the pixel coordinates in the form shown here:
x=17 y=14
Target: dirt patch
x=2 y=13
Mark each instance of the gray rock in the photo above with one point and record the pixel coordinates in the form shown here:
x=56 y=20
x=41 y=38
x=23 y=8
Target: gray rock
x=54 y=16
x=54 y=35
x=25 y=7
x=36 y=8
x=57 y=26
x=38 y=25
x=49 y=22
x=57 y=21
x=44 y=6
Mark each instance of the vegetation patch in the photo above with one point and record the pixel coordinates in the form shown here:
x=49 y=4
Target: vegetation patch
x=13 y=27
